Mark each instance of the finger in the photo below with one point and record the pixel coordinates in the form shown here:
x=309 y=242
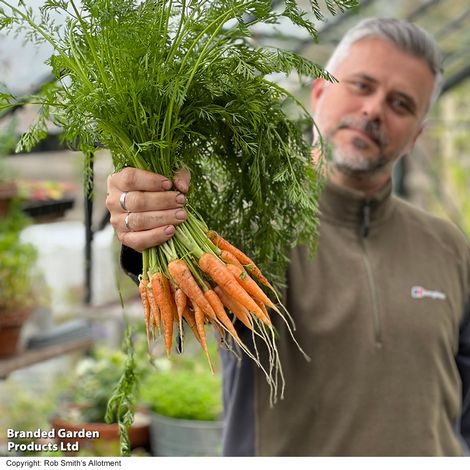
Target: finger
x=182 y=180
x=142 y=201
x=142 y=240
x=141 y=221
x=134 y=179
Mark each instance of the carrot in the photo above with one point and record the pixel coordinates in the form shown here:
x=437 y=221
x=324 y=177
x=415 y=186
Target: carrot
x=246 y=261
x=181 y=301
x=156 y=322
x=235 y=307
x=154 y=312
x=145 y=302
x=218 y=271
x=262 y=306
x=219 y=310
x=199 y=316
x=181 y=274
x=188 y=315
x=244 y=279
x=161 y=289
x=229 y=258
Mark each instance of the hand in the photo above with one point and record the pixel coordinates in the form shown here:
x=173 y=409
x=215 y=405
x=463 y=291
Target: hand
x=151 y=207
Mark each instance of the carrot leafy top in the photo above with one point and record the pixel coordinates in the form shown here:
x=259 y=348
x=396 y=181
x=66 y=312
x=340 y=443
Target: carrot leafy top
x=164 y=84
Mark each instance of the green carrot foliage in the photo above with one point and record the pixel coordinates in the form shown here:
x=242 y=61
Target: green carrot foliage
x=164 y=84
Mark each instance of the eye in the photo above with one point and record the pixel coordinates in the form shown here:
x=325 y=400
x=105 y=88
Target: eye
x=359 y=86
x=401 y=105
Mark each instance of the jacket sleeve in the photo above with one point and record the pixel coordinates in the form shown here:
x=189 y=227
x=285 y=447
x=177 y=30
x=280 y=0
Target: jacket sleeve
x=131 y=262
x=463 y=364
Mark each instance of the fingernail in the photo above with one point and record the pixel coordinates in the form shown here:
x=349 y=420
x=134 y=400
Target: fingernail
x=180 y=214
x=166 y=185
x=170 y=230
x=180 y=199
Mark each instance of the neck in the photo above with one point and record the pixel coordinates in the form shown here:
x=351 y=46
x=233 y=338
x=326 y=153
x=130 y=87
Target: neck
x=365 y=183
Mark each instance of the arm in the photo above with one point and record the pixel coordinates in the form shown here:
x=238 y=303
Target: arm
x=463 y=364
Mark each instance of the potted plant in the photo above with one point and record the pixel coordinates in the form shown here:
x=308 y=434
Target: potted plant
x=185 y=399
x=17 y=279
x=85 y=405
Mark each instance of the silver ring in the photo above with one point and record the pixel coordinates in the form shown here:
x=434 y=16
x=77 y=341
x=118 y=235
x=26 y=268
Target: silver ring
x=122 y=201
x=126 y=222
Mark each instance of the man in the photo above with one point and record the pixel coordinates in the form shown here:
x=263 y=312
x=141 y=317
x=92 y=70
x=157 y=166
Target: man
x=380 y=310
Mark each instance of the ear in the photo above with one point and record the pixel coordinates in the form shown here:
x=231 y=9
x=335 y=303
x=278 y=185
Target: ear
x=318 y=87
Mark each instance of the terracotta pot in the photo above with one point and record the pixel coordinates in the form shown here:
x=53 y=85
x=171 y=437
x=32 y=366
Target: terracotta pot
x=8 y=190
x=11 y=324
x=106 y=444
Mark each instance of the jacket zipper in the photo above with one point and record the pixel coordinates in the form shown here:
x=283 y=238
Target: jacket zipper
x=365 y=226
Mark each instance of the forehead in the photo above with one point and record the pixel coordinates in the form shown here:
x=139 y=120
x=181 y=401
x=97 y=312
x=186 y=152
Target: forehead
x=391 y=67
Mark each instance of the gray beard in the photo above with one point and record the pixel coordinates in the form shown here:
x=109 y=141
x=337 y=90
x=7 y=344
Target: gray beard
x=353 y=163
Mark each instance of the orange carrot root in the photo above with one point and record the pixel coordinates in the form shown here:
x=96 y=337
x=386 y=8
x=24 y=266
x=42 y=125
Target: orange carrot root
x=218 y=271
x=154 y=314
x=145 y=302
x=243 y=259
x=199 y=317
x=181 y=301
x=181 y=274
x=219 y=310
x=229 y=258
x=161 y=289
x=235 y=307
x=245 y=280
x=188 y=315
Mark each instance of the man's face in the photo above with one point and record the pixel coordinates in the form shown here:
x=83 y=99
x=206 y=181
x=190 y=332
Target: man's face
x=373 y=115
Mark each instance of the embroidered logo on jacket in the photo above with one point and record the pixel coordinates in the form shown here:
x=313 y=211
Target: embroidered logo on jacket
x=418 y=292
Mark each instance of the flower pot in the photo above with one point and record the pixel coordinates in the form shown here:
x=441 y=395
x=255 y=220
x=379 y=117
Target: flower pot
x=185 y=438
x=11 y=324
x=107 y=444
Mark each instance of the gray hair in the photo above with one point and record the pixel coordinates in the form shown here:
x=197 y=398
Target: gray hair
x=406 y=36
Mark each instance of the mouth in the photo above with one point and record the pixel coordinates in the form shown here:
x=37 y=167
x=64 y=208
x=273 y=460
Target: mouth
x=363 y=134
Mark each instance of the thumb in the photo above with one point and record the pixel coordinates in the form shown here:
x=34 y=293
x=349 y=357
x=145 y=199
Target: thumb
x=182 y=180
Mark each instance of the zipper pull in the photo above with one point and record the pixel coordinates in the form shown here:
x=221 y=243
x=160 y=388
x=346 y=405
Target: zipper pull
x=365 y=220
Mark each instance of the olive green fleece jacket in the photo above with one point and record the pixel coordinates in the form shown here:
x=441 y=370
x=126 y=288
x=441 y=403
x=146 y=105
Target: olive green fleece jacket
x=378 y=311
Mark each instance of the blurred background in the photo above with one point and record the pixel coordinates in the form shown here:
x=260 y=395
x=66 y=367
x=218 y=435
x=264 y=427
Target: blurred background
x=56 y=239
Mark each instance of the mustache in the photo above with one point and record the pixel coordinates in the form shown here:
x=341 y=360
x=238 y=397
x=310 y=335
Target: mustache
x=370 y=128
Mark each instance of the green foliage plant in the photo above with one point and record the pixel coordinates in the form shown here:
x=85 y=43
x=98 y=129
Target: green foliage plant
x=183 y=387
x=184 y=394
x=96 y=376
x=18 y=270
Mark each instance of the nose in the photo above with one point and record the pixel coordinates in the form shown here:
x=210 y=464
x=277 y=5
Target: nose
x=373 y=108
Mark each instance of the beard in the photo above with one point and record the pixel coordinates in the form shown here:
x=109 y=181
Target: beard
x=356 y=159
x=352 y=161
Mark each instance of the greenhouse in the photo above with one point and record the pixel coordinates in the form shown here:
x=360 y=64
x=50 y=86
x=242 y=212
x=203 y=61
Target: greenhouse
x=216 y=243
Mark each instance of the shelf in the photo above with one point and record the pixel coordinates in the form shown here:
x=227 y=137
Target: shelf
x=34 y=356
x=43 y=211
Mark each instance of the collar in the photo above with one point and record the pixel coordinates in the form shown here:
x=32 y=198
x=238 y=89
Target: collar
x=346 y=206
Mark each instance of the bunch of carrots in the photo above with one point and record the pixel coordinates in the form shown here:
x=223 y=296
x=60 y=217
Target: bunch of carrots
x=213 y=284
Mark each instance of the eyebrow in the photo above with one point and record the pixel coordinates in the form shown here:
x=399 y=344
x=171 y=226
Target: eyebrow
x=408 y=98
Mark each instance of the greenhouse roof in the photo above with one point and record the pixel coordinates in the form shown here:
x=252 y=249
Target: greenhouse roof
x=23 y=68
x=447 y=20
